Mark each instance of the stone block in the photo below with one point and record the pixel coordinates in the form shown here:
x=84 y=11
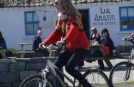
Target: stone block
x=37 y=60
x=31 y=84
x=22 y=59
x=25 y=74
x=6 y=85
x=4 y=65
x=7 y=77
x=16 y=84
x=17 y=66
x=35 y=66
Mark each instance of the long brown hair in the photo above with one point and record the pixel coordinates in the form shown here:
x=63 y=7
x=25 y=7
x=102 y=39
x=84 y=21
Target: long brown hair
x=1 y=37
x=72 y=12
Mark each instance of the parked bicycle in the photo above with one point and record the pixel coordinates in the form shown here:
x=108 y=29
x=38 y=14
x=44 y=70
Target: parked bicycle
x=48 y=77
x=122 y=74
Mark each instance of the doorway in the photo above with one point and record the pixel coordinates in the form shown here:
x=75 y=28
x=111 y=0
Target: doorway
x=85 y=21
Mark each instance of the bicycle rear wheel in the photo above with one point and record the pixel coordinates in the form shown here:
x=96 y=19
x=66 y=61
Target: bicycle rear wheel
x=33 y=81
x=118 y=75
x=97 y=78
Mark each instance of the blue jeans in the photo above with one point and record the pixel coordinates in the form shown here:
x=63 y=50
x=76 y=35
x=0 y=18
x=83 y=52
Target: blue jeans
x=71 y=60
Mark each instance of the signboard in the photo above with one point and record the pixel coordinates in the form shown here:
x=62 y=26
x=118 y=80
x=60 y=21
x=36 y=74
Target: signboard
x=104 y=17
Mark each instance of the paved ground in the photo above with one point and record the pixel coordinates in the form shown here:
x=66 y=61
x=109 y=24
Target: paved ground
x=106 y=70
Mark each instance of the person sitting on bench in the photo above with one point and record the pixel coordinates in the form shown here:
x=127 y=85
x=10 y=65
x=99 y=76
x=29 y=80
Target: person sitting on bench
x=96 y=53
x=37 y=40
x=107 y=41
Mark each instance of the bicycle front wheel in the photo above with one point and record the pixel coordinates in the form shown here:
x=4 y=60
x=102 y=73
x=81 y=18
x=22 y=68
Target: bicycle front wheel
x=97 y=78
x=33 y=81
x=120 y=77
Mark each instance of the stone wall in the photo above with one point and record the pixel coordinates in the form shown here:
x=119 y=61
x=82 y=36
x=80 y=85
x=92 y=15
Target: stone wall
x=14 y=71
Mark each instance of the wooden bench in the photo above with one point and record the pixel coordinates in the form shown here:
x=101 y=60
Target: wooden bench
x=22 y=53
x=31 y=53
x=105 y=57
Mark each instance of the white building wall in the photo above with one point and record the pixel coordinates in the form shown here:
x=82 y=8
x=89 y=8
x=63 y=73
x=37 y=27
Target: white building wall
x=12 y=22
x=12 y=25
x=106 y=17
x=112 y=25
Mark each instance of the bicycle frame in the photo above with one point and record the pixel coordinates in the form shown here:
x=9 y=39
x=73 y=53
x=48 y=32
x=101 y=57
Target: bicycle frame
x=51 y=67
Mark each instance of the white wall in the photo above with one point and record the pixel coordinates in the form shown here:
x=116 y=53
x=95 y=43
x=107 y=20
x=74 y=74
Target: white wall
x=106 y=17
x=13 y=27
x=113 y=25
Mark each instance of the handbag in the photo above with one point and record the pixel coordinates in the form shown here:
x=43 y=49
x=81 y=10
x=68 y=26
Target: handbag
x=106 y=49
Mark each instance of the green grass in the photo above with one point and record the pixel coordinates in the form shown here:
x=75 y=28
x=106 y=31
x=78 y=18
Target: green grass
x=14 y=51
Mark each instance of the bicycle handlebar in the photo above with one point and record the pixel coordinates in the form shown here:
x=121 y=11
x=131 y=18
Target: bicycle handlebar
x=50 y=47
x=130 y=39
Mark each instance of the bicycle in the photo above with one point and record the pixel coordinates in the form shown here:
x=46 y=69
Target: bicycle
x=47 y=75
x=122 y=73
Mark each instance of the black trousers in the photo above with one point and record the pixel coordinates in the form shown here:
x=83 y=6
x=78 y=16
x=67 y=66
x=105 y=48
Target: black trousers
x=81 y=64
x=72 y=60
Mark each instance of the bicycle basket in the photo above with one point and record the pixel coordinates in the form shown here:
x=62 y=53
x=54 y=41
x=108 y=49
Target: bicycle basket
x=126 y=46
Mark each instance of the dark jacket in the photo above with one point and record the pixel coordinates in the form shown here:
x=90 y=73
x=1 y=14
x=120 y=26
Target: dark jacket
x=95 y=38
x=37 y=40
x=109 y=43
x=3 y=44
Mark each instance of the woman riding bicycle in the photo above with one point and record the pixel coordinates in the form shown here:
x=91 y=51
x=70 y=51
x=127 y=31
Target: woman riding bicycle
x=70 y=27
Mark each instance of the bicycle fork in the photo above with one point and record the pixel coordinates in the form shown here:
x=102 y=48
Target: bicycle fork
x=128 y=72
x=43 y=82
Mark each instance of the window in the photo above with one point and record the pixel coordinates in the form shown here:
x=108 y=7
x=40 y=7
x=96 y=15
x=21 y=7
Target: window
x=31 y=23
x=127 y=18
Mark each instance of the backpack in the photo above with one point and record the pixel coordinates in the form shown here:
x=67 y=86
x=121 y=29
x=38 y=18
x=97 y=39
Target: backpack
x=9 y=54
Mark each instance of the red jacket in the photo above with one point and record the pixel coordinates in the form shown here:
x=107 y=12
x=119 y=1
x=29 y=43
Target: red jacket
x=75 y=38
